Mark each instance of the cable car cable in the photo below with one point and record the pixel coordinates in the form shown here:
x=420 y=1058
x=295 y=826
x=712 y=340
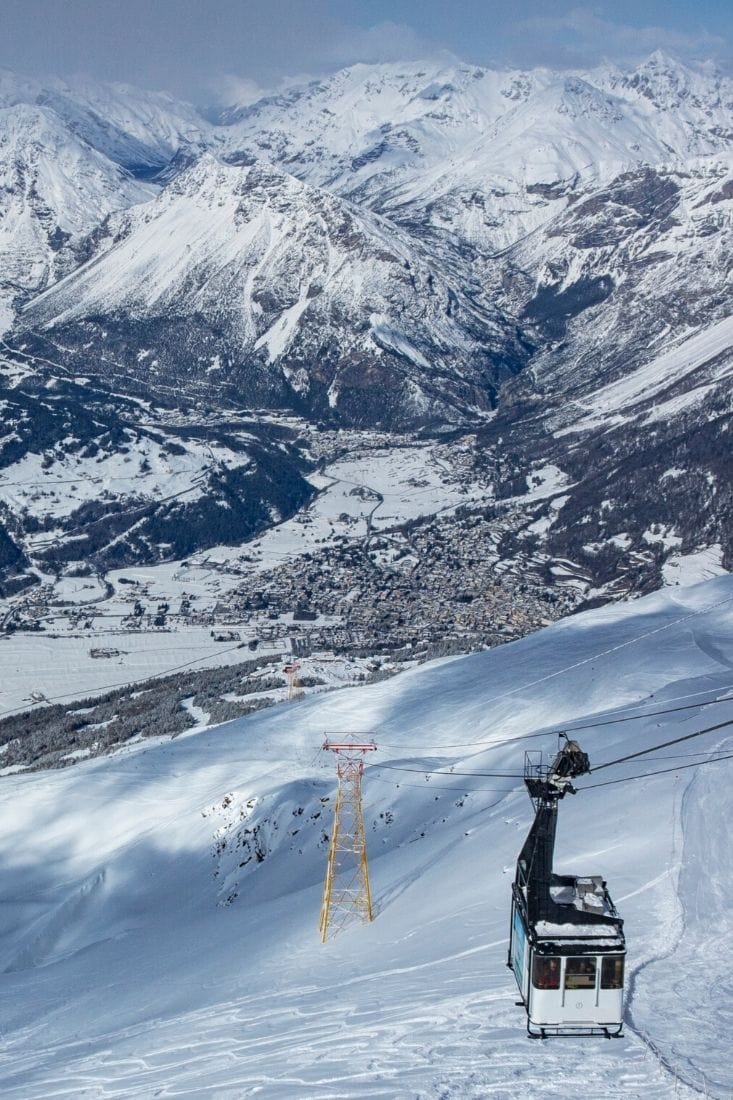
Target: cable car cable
x=661 y=771
x=607 y=764
x=455 y=790
x=604 y=653
x=663 y=745
x=686 y=755
x=513 y=790
x=646 y=714
x=438 y=771
x=615 y=648
x=571 y=728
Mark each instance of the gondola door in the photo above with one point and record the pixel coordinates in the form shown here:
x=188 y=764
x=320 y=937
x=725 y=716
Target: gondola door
x=580 y=989
x=519 y=953
x=611 y=990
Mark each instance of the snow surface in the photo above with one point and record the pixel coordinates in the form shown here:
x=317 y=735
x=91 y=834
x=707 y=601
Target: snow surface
x=687 y=569
x=59 y=487
x=145 y=954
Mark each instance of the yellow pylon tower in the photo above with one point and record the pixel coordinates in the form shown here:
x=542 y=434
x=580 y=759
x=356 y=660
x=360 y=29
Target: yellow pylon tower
x=346 y=892
x=295 y=688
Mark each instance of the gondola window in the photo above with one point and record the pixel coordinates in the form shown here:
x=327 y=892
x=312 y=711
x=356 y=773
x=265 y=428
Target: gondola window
x=546 y=972
x=612 y=973
x=580 y=973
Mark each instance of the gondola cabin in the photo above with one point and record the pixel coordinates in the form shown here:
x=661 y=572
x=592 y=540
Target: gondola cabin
x=566 y=944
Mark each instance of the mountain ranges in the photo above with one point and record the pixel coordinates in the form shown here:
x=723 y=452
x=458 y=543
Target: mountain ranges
x=538 y=260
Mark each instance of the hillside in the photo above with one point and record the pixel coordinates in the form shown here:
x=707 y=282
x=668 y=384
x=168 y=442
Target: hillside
x=243 y=283
x=148 y=949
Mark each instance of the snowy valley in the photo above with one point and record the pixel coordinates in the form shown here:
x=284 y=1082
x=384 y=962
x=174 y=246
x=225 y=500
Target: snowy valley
x=397 y=249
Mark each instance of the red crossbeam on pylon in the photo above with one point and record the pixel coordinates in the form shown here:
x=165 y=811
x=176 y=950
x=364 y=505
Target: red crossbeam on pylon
x=349 y=754
x=349 y=746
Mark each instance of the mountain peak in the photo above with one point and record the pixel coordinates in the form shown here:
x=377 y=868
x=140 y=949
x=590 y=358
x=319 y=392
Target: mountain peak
x=664 y=79
x=660 y=59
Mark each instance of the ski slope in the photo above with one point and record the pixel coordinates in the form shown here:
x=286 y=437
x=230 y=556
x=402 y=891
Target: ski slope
x=147 y=951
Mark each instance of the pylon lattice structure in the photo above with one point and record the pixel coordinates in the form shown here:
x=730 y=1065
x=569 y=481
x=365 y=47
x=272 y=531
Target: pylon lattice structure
x=295 y=688
x=346 y=892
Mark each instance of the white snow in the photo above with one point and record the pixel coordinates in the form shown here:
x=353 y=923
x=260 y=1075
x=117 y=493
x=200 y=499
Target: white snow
x=278 y=336
x=58 y=485
x=367 y=491
x=544 y=482
x=54 y=188
x=389 y=336
x=492 y=153
x=7 y=315
x=665 y=536
x=144 y=951
x=63 y=668
x=688 y=569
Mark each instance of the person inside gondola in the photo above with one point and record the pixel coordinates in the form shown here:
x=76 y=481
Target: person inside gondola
x=580 y=973
x=547 y=973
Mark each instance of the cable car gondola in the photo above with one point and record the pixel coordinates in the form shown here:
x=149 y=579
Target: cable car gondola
x=566 y=940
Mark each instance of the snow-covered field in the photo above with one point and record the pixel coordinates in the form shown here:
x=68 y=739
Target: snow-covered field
x=142 y=956
x=63 y=669
x=686 y=569
x=150 y=474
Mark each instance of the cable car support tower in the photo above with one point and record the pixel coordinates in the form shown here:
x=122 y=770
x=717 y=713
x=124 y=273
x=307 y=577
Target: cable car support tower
x=346 y=892
x=295 y=687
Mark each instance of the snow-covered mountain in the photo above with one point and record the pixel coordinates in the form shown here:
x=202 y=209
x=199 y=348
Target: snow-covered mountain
x=70 y=153
x=93 y=478
x=160 y=906
x=54 y=188
x=141 y=131
x=415 y=245
x=628 y=293
x=483 y=155
x=249 y=281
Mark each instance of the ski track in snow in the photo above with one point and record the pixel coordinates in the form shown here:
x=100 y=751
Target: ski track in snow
x=684 y=990
x=370 y=1043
